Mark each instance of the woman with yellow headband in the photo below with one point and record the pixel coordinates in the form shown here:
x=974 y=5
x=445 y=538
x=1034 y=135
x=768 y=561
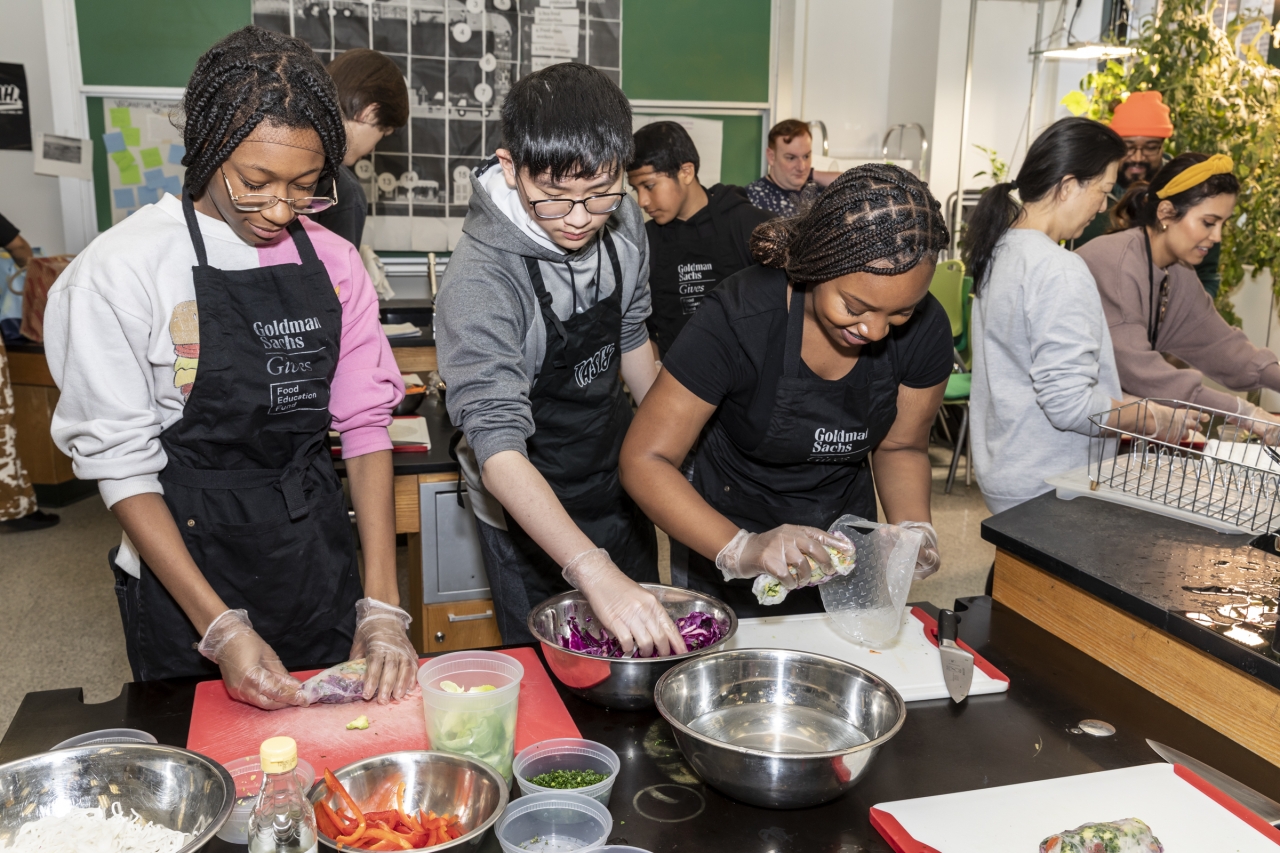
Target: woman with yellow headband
x=1155 y=304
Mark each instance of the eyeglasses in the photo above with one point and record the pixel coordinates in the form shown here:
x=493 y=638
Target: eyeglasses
x=1149 y=149
x=256 y=202
x=559 y=208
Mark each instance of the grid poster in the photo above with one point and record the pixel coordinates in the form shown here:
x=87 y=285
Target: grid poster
x=459 y=58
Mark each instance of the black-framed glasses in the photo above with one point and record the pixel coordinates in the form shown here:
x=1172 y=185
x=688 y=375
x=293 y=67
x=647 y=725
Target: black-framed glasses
x=257 y=202
x=1148 y=149
x=559 y=208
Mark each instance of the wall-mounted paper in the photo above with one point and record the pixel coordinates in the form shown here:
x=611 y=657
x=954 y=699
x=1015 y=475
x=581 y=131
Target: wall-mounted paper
x=151 y=158
x=130 y=175
x=173 y=186
x=123 y=159
x=114 y=141
x=123 y=197
x=176 y=153
x=64 y=156
x=154 y=177
x=120 y=117
x=132 y=136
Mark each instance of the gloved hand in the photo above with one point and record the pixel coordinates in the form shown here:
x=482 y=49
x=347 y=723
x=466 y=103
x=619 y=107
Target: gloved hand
x=627 y=610
x=1257 y=421
x=381 y=639
x=251 y=670
x=1171 y=425
x=779 y=552
x=927 y=560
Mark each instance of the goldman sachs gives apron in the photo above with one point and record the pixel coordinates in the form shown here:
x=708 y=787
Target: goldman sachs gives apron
x=678 y=290
x=580 y=416
x=810 y=468
x=249 y=479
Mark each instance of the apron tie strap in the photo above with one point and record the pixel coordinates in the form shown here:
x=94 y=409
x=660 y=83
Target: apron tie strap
x=292 y=476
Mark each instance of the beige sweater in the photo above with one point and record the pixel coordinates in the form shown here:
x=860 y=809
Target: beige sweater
x=1192 y=329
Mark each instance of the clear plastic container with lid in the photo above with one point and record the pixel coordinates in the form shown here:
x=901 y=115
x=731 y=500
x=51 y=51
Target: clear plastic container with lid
x=470 y=700
x=282 y=819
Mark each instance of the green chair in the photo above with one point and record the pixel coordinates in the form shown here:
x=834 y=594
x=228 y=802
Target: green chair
x=952 y=288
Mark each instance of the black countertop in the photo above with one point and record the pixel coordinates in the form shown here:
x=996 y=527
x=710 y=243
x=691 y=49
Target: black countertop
x=434 y=461
x=1216 y=592
x=659 y=804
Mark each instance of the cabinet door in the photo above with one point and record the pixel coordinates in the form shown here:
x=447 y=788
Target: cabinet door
x=459 y=564
x=459 y=625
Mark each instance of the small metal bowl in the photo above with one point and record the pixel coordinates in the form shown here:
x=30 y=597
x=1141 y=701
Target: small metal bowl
x=442 y=782
x=166 y=785
x=624 y=684
x=409 y=404
x=775 y=728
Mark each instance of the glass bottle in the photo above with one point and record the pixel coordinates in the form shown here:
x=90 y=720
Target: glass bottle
x=282 y=819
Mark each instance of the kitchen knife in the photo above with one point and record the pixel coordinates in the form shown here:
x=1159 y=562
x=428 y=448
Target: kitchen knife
x=1260 y=804
x=957 y=664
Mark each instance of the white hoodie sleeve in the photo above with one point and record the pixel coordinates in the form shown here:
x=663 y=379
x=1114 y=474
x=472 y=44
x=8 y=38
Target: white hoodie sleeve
x=107 y=420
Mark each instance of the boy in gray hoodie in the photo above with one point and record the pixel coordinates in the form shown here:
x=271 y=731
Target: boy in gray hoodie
x=540 y=319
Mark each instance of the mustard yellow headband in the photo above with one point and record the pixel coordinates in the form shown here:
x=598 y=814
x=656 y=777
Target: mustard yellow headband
x=1218 y=164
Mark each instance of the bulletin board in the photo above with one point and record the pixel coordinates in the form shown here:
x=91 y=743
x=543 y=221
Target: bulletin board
x=144 y=153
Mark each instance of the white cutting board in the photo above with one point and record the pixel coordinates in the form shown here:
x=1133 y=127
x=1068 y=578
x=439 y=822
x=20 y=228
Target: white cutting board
x=1187 y=814
x=910 y=663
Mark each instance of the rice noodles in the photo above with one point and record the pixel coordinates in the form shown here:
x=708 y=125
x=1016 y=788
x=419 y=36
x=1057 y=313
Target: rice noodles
x=93 y=831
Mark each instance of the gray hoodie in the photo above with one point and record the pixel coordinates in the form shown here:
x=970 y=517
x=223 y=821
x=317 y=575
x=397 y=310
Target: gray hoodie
x=490 y=335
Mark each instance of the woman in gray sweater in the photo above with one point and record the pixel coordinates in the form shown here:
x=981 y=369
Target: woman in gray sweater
x=1042 y=355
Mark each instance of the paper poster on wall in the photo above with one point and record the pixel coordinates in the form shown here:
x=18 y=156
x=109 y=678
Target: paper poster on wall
x=64 y=156
x=460 y=59
x=15 y=108
x=145 y=153
x=707 y=135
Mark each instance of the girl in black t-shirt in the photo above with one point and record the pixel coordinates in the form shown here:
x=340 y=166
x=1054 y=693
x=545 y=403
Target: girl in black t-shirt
x=831 y=354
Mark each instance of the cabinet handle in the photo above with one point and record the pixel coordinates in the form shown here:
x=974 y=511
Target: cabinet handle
x=488 y=614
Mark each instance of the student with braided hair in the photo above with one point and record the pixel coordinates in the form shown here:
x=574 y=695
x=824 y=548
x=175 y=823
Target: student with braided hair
x=204 y=346
x=815 y=370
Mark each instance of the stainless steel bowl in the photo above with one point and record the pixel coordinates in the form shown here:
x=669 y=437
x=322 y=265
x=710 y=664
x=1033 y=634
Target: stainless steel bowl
x=441 y=782
x=776 y=728
x=169 y=786
x=625 y=684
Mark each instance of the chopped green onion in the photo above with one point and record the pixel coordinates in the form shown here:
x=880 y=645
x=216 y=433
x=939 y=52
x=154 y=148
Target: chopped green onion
x=567 y=779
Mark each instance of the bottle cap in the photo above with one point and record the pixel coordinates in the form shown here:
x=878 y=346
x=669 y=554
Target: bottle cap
x=279 y=755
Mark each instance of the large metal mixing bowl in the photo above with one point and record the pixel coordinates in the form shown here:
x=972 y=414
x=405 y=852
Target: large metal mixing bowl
x=776 y=728
x=624 y=684
x=169 y=786
x=441 y=782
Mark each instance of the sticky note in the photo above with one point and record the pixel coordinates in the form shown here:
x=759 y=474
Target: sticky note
x=114 y=141
x=176 y=153
x=132 y=136
x=123 y=158
x=151 y=158
x=120 y=117
x=130 y=174
x=154 y=177
x=173 y=186
x=149 y=195
x=123 y=197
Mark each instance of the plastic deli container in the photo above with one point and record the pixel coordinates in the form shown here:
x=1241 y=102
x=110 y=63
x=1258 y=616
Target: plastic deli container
x=482 y=724
x=247 y=774
x=568 y=753
x=553 y=822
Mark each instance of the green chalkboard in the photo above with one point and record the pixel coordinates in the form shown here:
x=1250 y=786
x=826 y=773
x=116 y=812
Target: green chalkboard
x=151 y=42
x=696 y=50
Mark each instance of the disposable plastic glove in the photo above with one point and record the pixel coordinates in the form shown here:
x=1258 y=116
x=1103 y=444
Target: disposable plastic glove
x=927 y=560
x=1171 y=425
x=382 y=640
x=780 y=553
x=627 y=610
x=1258 y=421
x=251 y=670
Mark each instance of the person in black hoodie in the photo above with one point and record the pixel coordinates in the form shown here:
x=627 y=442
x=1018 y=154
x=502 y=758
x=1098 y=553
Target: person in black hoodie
x=697 y=237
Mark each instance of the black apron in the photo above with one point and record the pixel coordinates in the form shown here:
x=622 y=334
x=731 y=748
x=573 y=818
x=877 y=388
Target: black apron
x=813 y=460
x=249 y=480
x=580 y=416
x=678 y=291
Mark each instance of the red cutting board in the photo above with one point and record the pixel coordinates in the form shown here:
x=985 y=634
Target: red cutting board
x=225 y=730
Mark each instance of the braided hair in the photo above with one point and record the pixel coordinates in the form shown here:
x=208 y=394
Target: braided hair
x=251 y=76
x=875 y=218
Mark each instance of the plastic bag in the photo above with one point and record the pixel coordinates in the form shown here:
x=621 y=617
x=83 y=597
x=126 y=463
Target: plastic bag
x=866 y=605
x=337 y=685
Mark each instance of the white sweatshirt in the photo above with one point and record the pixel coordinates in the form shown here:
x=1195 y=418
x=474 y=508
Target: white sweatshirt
x=122 y=342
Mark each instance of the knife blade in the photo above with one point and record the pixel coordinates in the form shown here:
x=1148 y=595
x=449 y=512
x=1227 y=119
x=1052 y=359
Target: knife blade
x=957 y=664
x=1260 y=804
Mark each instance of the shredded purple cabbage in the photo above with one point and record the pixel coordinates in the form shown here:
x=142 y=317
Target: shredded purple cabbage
x=698 y=629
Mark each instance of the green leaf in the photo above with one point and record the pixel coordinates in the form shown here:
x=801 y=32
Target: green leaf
x=1076 y=102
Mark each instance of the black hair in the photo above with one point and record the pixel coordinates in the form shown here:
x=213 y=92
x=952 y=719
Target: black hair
x=666 y=146
x=1071 y=147
x=365 y=77
x=1140 y=203
x=250 y=77
x=568 y=119
x=870 y=213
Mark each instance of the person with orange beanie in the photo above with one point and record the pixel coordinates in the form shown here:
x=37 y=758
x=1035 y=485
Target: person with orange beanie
x=1142 y=121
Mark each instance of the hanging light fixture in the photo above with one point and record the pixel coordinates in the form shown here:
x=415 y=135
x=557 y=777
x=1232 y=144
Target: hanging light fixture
x=1116 y=30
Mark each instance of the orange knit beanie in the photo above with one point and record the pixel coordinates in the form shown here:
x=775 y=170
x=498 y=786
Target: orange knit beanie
x=1143 y=114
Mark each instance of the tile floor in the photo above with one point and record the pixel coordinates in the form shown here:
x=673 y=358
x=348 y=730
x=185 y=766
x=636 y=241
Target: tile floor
x=60 y=626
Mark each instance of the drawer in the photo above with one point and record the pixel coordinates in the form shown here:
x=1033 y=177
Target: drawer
x=461 y=625
x=452 y=568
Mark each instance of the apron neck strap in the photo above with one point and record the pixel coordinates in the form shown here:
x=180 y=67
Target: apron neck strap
x=544 y=297
x=306 y=251
x=193 y=228
x=795 y=334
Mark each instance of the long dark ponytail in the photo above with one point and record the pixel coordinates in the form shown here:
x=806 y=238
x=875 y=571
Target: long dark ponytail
x=1071 y=147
